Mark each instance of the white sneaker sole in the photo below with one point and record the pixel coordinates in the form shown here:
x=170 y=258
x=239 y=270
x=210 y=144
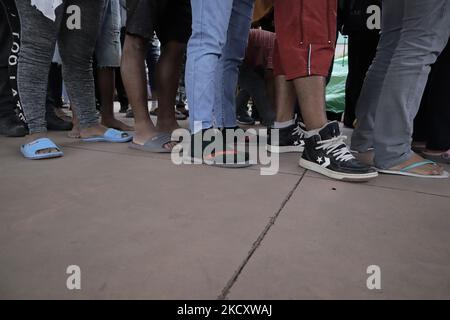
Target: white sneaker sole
x=337 y=175
x=285 y=149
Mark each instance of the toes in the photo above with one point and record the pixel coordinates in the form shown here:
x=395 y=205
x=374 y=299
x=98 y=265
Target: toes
x=46 y=151
x=170 y=145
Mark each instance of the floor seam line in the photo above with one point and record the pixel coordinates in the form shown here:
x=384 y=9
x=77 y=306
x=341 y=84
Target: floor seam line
x=226 y=290
x=389 y=188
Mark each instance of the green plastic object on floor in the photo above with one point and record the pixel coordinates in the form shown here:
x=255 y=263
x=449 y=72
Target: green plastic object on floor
x=336 y=87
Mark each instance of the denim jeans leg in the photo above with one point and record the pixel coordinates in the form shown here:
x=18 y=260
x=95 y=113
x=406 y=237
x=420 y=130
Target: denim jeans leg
x=210 y=20
x=228 y=68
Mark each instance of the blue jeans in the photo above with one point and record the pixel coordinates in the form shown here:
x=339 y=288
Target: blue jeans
x=108 y=50
x=215 y=51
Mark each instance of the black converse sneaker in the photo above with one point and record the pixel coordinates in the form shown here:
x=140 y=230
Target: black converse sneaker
x=327 y=154
x=291 y=139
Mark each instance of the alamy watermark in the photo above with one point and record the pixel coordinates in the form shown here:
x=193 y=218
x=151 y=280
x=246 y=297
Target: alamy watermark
x=73 y=281
x=374 y=20
x=73 y=21
x=374 y=280
x=236 y=141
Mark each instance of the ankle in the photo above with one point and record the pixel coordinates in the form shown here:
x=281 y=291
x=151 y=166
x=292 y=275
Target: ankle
x=107 y=117
x=36 y=136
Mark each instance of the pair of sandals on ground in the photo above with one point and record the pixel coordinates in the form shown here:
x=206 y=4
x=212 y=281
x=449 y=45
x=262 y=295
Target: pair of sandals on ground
x=45 y=148
x=158 y=143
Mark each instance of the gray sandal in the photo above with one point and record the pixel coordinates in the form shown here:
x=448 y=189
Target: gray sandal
x=155 y=144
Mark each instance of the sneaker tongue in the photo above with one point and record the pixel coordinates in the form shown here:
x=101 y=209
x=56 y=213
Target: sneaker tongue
x=330 y=131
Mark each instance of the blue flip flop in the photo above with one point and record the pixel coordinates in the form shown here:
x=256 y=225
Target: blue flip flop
x=30 y=150
x=111 y=135
x=407 y=171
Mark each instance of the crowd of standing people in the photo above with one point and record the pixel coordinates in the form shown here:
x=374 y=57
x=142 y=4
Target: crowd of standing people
x=276 y=53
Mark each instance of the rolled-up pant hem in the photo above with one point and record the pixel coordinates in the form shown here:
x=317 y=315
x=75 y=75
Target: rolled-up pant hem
x=393 y=163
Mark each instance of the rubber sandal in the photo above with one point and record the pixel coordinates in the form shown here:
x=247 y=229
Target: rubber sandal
x=227 y=158
x=155 y=144
x=111 y=135
x=406 y=171
x=444 y=157
x=30 y=150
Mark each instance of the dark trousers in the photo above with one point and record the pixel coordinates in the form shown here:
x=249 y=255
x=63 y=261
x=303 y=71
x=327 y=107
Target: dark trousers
x=6 y=100
x=432 y=123
x=11 y=24
x=362 y=47
x=120 y=88
x=254 y=83
x=54 y=90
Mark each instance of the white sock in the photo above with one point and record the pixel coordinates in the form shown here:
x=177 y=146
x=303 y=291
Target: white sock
x=309 y=134
x=282 y=125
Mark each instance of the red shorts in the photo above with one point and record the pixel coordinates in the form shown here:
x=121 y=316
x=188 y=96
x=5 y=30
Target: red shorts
x=306 y=37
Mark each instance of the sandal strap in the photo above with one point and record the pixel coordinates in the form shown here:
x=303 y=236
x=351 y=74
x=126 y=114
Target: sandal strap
x=41 y=144
x=115 y=134
x=417 y=164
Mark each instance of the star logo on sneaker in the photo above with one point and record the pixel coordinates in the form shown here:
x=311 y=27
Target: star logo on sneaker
x=326 y=163
x=319 y=160
x=296 y=143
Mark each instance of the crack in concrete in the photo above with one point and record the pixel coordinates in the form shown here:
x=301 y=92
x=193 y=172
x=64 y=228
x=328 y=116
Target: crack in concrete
x=226 y=290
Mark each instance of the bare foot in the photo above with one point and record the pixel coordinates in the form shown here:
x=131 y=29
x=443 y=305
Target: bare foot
x=116 y=124
x=75 y=132
x=35 y=136
x=167 y=127
x=426 y=169
x=141 y=137
x=94 y=131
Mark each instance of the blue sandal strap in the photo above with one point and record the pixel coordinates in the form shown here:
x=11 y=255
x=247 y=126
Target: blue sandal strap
x=416 y=165
x=30 y=150
x=115 y=134
x=40 y=144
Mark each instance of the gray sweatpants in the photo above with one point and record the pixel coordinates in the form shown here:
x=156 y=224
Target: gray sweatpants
x=38 y=38
x=414 y=33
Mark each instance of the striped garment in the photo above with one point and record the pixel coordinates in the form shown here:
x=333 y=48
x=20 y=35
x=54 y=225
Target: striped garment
x=47 y=7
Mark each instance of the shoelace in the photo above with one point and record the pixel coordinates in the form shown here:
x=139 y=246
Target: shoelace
x=298 y=131
x=337 y=147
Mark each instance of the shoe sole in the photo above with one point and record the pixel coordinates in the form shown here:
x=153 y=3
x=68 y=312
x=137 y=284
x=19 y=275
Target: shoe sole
x=245 y=123
x=337 y=175
x=285 y=149
x=444 y=175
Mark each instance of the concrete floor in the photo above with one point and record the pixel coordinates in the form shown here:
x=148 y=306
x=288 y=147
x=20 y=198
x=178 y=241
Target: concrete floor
x=140 y=227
